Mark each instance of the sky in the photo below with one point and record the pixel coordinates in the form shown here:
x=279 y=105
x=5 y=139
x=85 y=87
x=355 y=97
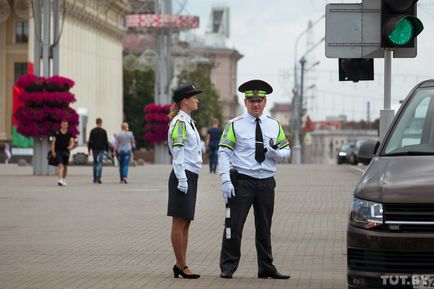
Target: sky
x=265 y=32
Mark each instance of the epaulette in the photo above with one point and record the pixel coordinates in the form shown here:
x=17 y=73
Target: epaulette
x=236 y=118
x=181 y=118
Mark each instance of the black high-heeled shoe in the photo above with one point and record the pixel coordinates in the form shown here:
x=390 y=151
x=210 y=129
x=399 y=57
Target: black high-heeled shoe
x=180 y=271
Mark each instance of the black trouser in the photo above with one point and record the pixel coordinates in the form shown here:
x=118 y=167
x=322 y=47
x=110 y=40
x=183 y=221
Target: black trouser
x=260 y=194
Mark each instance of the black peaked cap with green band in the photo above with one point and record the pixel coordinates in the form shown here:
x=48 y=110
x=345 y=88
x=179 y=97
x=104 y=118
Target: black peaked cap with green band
x=255 y=89
x=185 y=91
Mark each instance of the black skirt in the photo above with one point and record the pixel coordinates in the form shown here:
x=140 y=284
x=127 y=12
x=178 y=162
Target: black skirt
x=180 y=204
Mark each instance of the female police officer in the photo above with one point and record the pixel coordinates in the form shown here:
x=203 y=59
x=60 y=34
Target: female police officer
x=184 y=145
x=252 y=144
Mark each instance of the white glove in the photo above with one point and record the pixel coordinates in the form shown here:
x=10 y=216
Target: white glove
x=228 y=191
x=183 y=186
x=273 y=154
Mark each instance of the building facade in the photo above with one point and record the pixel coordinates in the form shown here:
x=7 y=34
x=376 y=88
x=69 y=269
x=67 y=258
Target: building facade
x=223 y=75
x=90 y=48
x=282 y=112
x=14 y=57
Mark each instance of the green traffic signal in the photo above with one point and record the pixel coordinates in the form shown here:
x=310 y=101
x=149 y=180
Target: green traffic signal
x=399 y=24
x=403 y=32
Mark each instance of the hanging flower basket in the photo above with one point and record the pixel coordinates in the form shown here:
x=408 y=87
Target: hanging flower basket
x=46 y=104
x=156 y=123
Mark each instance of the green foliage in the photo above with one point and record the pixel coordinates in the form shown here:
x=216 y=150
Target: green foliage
x=209 y=106
x=138 y=92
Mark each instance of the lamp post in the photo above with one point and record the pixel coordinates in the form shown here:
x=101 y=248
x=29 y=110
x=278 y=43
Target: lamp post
x=50 y=43
x=298 y=116
x=297 y=100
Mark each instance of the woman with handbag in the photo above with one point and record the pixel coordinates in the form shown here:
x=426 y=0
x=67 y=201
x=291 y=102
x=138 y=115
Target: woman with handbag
x=184 y=146
x=62 y=143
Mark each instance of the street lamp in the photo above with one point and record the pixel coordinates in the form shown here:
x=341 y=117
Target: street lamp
x=298 y=100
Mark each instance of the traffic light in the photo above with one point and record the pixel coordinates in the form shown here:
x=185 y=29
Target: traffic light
x=399 y=24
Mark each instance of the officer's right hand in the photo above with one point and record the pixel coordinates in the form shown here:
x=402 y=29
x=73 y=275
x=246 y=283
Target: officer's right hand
x=183 y=186
x=228 y=191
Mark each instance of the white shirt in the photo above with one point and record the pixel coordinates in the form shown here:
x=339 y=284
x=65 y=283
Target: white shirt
x=186 y=153
x=242 y=157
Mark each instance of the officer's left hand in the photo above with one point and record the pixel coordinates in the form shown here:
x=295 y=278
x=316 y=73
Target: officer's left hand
x=272 y=153
x=183 y=186
x=228 y=191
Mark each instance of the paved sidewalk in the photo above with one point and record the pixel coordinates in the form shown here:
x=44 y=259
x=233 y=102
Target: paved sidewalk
x=90 y=236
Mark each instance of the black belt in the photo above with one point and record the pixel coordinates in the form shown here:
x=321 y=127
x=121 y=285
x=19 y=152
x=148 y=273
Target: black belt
x=249 y=178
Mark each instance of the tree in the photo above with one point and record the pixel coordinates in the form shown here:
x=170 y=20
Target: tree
x=138 y=92
x=209 y=106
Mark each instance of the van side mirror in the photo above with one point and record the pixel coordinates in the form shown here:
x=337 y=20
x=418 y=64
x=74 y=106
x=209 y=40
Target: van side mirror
x=367 y=151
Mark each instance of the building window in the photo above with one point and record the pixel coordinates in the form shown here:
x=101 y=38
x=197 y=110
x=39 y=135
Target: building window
x=217 y=21
x=20 y=68
x=21 y=31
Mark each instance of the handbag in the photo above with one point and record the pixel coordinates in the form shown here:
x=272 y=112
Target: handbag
x=51 y=160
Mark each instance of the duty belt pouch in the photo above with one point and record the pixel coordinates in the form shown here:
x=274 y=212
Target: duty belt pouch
x=233 y=173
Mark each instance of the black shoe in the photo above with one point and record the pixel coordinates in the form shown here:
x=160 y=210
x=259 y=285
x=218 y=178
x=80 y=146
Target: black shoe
x=180 y=271
x=94 y=181
x=273 y=275
x=226 y=274
x=99 y=182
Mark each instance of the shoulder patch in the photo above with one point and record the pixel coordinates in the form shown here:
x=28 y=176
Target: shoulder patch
x=181 y=118
x=236 y=118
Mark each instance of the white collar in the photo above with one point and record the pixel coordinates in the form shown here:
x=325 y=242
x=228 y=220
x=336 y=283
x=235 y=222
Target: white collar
x=252 y=119
x=186 y=116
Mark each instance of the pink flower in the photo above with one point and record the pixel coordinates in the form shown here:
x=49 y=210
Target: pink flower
x=30 y=82
x=157 y=120
x=46 y=103
x=58 y=83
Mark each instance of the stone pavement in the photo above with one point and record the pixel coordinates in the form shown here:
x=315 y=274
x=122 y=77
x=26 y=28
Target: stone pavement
x=90 y=236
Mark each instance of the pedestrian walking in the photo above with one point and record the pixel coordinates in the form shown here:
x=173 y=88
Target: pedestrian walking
x=7 y=152
x=184 y=145
x=61 y=145
x=252 y=144
x=123 y=149
x=212 y=144
x=97 y=146
x=112 y=143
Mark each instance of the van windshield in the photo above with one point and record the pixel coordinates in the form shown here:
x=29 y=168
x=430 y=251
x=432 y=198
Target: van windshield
x=414 y=133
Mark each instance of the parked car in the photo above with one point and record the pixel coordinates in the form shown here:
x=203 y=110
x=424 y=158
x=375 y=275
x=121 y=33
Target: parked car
x=344 y=151
x=352 y=154
x=390 y=235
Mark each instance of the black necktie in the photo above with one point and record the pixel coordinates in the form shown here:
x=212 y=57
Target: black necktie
x=259 y=147
x=192 y=125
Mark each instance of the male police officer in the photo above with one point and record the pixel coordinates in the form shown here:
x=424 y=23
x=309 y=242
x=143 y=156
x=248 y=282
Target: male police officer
x=252 y=144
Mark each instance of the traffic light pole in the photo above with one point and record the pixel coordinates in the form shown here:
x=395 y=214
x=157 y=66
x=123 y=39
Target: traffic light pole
x=386 y=115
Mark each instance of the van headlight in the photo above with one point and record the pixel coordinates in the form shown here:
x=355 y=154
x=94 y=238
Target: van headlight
x=366 y=214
